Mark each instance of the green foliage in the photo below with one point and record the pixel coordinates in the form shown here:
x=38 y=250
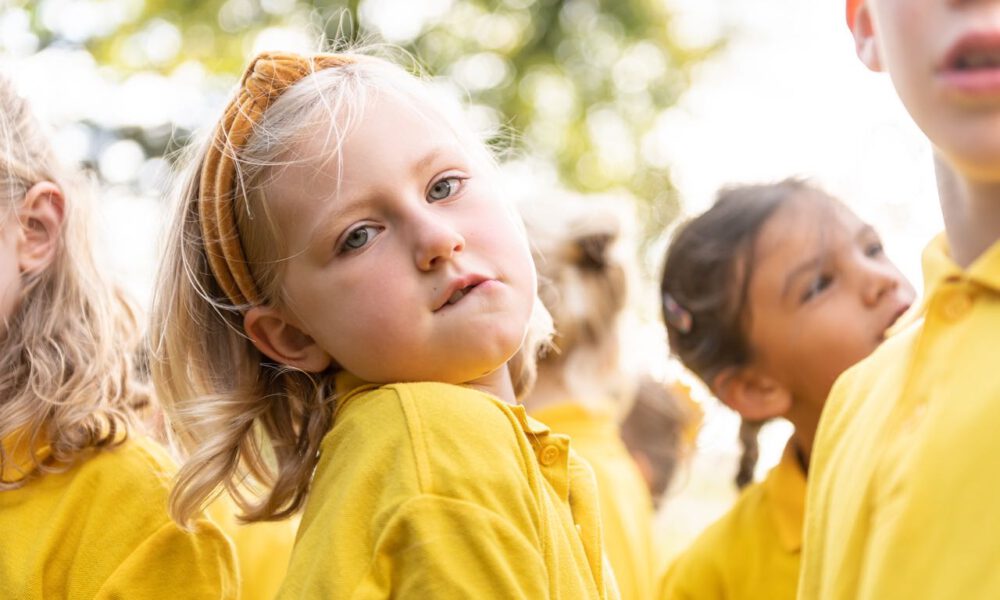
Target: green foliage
x=582 y=81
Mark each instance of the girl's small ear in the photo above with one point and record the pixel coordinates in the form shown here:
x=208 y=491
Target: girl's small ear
x=282 y=341
x=41 y=217
x=753 y=394
x=864 y=39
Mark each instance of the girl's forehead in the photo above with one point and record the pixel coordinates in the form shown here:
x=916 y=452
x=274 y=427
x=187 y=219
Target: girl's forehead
x=806 y=224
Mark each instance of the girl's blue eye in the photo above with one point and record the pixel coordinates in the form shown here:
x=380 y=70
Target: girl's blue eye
x=444 y=188
x=818 y=285
x=359 y=237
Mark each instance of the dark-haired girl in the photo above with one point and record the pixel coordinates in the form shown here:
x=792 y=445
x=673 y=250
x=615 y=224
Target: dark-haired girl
x=768 y=297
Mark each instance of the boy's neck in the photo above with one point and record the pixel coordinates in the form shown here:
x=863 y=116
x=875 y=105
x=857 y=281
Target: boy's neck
x=971 y=211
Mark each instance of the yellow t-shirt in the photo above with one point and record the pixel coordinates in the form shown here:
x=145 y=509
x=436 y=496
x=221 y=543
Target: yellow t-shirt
x=429 y=490
x=752 y=552
x=903 y=491
x=100 y=530
x=626 y=507
x=262 y=548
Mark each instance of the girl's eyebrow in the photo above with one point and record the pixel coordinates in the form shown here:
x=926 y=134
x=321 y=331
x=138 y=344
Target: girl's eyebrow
x=428 y=158
x=342 y=206
x=864 y=231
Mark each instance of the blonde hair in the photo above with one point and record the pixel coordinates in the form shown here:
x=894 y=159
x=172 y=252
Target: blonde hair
x=246 y=423
x=585 y=270
x=65 y=380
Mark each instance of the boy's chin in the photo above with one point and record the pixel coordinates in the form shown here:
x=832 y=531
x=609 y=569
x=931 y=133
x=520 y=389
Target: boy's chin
x=980 y=166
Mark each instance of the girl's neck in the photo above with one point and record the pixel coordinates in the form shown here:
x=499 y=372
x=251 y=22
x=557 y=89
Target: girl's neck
x=805 y=417
x=497 y=383
x=971 y=211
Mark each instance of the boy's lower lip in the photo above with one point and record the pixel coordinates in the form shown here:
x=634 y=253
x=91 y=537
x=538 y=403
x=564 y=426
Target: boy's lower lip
x=972 y=83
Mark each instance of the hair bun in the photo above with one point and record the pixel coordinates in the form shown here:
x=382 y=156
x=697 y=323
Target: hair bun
x=593 y=251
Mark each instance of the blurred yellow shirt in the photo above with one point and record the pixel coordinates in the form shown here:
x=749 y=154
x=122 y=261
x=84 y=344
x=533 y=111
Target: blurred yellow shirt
x=752 y=552
x=429 y=490
x=100 y=530
x=903 y=497
x=626 y=507
x=262 y=548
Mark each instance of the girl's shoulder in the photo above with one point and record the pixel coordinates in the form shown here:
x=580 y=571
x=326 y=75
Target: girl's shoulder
x=422 y=409
x=109 y=512
x=436 y=438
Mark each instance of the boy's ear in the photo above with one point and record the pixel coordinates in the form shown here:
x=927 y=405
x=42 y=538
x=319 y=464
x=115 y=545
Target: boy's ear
x=755 y=395
x=284 y=342
x=864 y=39
x=41 y=218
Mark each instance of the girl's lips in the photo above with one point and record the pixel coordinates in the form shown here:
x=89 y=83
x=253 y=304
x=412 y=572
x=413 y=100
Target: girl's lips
x=895 y=319
x=458 y=289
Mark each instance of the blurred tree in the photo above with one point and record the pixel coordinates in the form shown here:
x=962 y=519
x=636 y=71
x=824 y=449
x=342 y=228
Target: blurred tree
x=583 y=82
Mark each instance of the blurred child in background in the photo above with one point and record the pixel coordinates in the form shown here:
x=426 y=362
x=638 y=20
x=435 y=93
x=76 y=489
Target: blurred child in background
x=83 y=493
x=584 y=266
x=768 y=296
x=660 y=431
x=902 y=502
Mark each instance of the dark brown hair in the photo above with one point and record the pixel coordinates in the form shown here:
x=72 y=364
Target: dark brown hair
x=655 y=427
x=706 y=282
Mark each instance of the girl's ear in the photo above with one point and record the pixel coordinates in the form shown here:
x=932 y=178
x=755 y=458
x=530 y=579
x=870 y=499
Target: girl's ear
x=755 y=395
x=284 y=342
x=864 y=39
x=41 y=218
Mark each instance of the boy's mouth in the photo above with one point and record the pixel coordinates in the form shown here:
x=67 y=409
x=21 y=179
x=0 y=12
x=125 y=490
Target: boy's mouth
x=971 y=67
x=977 y=59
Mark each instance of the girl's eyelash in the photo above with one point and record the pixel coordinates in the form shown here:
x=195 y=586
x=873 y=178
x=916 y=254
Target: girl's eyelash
x=874 y=248
x=453 y=188
x=345 y=246
x=820 y=283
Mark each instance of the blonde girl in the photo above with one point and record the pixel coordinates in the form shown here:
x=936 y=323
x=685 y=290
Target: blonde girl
x=338 y=329
x=83 y=495
x=581 y=251
x=768 y=297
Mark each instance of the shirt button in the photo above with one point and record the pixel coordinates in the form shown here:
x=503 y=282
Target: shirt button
x=550 y=454
x=956 y=306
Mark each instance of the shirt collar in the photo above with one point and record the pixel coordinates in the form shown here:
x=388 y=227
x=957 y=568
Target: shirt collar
x=938 y=266
x=347 y=386
x=20 y=461
x=785 y=487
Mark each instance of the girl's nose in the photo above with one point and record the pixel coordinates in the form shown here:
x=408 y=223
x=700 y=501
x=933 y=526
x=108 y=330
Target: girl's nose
x=437 y=243
x=879 y=281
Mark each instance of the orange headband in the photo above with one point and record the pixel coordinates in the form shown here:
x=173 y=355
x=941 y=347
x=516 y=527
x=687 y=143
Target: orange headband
x=267 y=77
x=852 y=12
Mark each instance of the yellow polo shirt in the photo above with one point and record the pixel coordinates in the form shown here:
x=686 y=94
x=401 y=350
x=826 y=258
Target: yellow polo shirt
x=100 y=530
x=903 y=497
x=752 y=552
x=262 y=548
x=429 y=490
x=626 y=507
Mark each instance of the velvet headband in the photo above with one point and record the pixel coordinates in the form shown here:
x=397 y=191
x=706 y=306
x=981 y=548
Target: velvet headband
x=266 y=78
